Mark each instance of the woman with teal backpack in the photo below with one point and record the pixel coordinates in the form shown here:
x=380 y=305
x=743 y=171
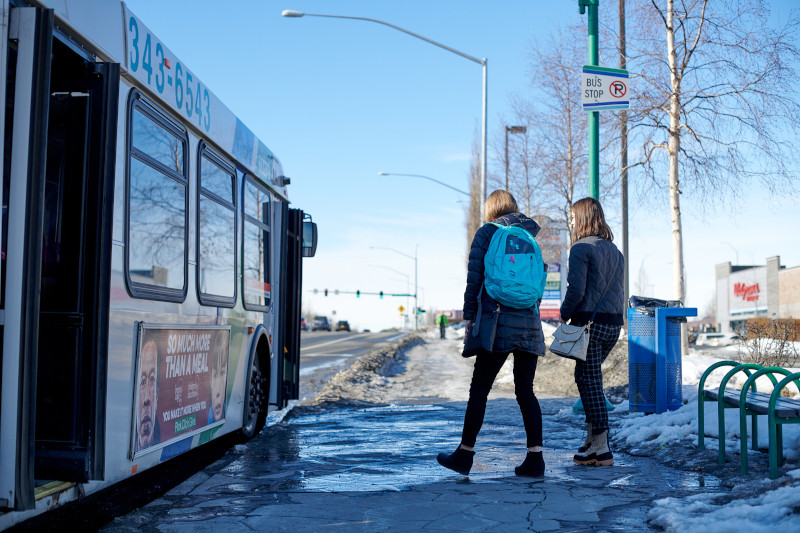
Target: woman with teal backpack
x=517 y=330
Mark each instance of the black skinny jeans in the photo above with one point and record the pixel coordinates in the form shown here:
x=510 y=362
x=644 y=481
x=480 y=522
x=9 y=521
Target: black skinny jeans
x=486 y=368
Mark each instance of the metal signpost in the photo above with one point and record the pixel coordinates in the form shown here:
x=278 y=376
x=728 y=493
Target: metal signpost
x=601 y=88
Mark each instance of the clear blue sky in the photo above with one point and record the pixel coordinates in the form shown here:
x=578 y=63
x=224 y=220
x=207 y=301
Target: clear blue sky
x=338 y=101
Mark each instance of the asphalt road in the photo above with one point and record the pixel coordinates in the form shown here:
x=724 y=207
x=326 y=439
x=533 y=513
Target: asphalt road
x=323 y=353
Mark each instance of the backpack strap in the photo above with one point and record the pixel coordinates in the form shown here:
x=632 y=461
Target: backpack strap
x=509 y=226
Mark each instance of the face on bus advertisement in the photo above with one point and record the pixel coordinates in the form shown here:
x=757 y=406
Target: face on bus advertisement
x=147 y=424
x=219 y=377
x=182 y=382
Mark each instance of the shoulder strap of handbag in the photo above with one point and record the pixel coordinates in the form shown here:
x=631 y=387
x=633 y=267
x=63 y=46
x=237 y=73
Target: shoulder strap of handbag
x=476 y=326
x=591 y=320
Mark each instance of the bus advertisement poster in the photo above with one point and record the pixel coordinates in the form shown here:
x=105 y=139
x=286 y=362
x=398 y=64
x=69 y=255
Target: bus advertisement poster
x=181 y=382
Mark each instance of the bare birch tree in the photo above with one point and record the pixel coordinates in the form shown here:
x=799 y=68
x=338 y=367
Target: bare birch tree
x=713 y=104
x=558 y=123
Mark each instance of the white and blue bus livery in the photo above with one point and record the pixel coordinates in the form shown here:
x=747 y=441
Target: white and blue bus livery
x=150 y=265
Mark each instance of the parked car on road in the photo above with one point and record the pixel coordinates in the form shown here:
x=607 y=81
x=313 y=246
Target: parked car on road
x=343 y=325
x=715 y=339
x=303 y=324
x=321 y=322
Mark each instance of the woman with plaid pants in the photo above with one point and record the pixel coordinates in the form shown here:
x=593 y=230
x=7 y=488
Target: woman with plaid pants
x=594 y=287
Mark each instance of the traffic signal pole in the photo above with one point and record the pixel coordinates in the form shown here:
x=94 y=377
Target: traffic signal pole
x=359 y=293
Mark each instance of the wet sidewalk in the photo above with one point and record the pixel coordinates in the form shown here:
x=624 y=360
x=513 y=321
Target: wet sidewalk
x=358 y=466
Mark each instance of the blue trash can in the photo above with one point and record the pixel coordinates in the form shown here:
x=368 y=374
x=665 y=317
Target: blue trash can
x=654 y=357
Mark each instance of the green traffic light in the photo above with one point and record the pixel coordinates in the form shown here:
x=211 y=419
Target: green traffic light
x=358 y=294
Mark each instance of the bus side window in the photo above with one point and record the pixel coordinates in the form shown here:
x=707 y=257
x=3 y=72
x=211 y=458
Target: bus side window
x=157 y=204
x=216 y=229
x=256 y=245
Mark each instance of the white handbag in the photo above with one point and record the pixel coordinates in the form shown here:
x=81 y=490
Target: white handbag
x=571 y=341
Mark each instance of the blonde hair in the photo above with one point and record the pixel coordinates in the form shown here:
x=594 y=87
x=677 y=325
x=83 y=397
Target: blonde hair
x=590 y=220
x=499 y=203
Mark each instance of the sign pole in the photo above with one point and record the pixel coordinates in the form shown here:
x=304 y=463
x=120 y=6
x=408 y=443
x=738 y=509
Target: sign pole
x=594 y=116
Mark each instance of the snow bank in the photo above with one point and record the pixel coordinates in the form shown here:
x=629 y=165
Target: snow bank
x=755 y=505
x=773 y=508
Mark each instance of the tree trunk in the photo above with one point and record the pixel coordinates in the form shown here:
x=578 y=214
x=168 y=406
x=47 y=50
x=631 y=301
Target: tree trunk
x=674 y=182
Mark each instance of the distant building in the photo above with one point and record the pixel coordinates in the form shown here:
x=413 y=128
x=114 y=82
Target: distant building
x=756 y=291
x=553 y=240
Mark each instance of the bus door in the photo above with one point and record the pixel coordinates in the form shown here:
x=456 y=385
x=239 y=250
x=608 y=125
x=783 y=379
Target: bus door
x=291 y=281
x=61 y=120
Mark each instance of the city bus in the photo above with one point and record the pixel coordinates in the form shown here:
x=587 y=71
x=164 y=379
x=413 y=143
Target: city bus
x=150 y=264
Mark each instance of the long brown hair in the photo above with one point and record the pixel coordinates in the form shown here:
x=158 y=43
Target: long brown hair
x=589 y=220
x=499 y=203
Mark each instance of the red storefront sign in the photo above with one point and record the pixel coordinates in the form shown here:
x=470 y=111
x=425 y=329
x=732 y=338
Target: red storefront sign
x=550 y=314
x=748 y=293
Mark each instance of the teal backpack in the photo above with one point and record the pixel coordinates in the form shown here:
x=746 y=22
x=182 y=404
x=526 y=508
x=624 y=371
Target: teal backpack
x=514 y=273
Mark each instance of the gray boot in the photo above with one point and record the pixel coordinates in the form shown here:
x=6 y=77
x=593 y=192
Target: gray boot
x=588 y=441
x=598 y=453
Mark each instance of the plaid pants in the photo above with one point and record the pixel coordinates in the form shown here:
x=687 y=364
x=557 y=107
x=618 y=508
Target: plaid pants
x=589 y=377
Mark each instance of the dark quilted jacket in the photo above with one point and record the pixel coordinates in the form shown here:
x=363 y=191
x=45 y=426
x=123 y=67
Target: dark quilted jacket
x=591 y=265
x=519 y=329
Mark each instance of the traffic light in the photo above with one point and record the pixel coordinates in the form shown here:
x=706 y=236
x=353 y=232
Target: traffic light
x=358 y=294
x=381 y=294
x=326 y=292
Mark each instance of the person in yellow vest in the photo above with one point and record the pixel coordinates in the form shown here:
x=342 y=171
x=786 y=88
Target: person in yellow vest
x=442 y=321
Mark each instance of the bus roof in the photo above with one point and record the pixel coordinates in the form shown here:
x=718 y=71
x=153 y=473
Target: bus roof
x=143 y=57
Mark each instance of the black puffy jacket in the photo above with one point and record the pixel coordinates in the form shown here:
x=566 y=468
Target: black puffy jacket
x=519 y=329
x=594 y=263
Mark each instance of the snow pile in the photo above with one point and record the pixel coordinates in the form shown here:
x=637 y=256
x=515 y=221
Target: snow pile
x=697 y=361
x=756 y=504
x=752 y=507
x=365 y=379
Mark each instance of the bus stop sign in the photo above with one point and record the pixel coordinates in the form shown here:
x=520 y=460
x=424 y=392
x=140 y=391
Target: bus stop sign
x=604 y=88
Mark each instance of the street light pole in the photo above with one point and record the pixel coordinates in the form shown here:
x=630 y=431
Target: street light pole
x=424 y=177
x=483 y=62
x=512 y=129
x=408 y=282
x=734 y=249
x=414 y=257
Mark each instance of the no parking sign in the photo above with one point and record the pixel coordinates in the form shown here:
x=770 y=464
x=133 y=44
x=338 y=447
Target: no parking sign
x=604 y=88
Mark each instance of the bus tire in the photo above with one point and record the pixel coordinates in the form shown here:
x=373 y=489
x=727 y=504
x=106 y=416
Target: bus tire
x=256 y=400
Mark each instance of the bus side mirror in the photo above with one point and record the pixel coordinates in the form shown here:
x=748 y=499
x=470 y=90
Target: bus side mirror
x=309 y=238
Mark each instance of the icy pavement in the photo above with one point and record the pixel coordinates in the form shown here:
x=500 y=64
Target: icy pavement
x=362 y=458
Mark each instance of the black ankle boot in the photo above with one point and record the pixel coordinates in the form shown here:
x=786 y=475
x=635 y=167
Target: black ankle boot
x=459 y=461
x=532 y=466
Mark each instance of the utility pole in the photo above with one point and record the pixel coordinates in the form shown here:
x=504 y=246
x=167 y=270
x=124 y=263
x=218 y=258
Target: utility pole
x=623 y=153
x=512 y=129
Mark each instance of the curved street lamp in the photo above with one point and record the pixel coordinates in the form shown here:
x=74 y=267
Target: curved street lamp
x=297 y=14
x=425 y=178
